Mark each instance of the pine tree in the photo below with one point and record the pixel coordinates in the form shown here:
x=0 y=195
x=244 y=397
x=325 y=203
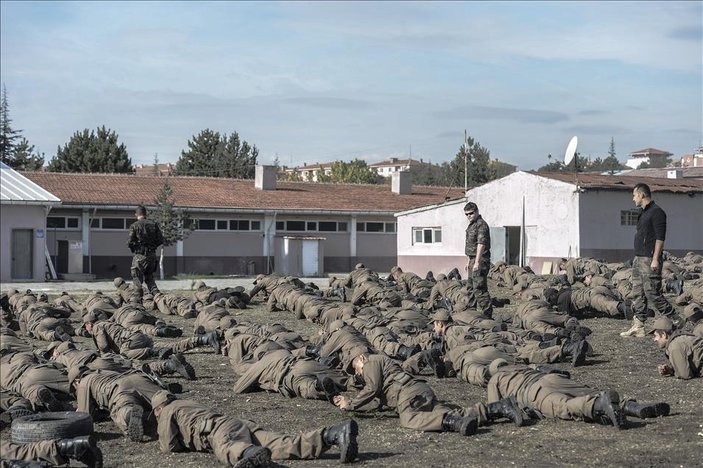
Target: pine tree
x=353 y=172
x=8 y=135
x=175 y=224
x=215 y=155
x=25 y=158
x=88 y=151
x=477 y=164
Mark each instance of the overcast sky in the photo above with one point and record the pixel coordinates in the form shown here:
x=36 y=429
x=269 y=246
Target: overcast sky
x=319 y=82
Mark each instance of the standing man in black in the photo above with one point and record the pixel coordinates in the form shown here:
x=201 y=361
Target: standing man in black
x=478 y=251
x=144 y=238
x=647 y=265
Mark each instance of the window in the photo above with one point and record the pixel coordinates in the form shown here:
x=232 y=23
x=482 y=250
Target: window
x=255 y=225
x=327 y=226
x=240 y=224
x=55 y=222
x=206 y=225
x=62 y=222
x=280 y=226
x=222 y=224
x=342 y=226
x=95 y=223
x=375 y=226
x=295 y=225
x=113 y=223
x=311 y=226
x=629 y=217
x=427 y=235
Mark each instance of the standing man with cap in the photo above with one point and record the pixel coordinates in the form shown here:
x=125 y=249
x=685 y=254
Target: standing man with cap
x=647 y=266
x=684 y=351
x=144 y=237
x=478 y=251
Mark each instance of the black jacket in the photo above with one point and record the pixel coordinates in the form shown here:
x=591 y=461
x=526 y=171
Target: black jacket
x=651 y=227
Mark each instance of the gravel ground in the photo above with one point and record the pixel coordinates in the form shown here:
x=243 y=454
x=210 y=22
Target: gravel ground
x=626 y=365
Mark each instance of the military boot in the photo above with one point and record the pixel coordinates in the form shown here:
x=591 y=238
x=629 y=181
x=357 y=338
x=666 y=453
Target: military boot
x=211 y=339
x=84 y=449
x=404 y=352
x=636 y=330
x=135 y=425
x=254 y=457
x=312 y=351
x=343 y=435
x=644 y=411
x=168 y=331
x=176 y=363
x=576 y=350
x=433 y=358
x=48 y=399
x=161 y=353
x=465 y=426
x=506 y=408
x=454 y=274
x=606 y=409
x=556 y=341
x=326 y=385
x=430 y=276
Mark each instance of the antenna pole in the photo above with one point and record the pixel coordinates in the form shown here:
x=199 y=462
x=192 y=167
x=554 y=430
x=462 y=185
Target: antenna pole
x=466 y=164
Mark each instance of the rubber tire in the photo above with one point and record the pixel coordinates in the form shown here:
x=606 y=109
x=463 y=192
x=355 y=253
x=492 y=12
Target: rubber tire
x=50 y=426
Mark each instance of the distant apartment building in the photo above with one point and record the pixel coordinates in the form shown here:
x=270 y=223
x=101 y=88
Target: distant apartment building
x=646 y=155
x=308 y=172
x=392 y=165
x=693 y=160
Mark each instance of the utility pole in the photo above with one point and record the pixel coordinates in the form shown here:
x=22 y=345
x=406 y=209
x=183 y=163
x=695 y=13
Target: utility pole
x=466 y=164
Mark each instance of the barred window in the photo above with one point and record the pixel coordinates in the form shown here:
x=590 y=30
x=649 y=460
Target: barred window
x=629 y=217
x=427 y=235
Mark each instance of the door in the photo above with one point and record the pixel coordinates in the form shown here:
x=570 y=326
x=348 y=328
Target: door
x=62 y=257
x=498 y=244
x=22 y=254
x=310 y=258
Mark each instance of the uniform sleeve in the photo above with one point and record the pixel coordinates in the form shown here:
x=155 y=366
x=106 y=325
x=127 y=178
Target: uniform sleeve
x=483 y=235
x=168 y=433
x=132 y=242
x=678 y=358
x=659 y=225
x=373 y=376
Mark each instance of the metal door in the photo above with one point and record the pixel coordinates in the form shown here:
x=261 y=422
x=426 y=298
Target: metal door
x=310 y=257
x=498 y=244
x=22 y=254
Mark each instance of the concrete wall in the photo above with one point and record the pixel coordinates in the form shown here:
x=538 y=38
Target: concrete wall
x=603 y=236
x=22 y=217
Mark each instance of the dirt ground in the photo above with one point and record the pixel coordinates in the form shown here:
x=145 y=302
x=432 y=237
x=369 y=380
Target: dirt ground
x=626 y=365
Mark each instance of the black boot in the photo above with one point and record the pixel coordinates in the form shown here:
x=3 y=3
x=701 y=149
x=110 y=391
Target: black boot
x=312 y=351
x=454 y=274
x=606 y=410
x=433 y=358
x=49 y=401
x=625 y=310
x=176 y=363
x=84 y=449
x=506 y=408
x=168 y=331
x=135 y=425
x=343 y=435
x=556 y=341
x=464 y=426
x=254 y=457
x=499 y=328
x=161 y=353
x=430 y=276
x=326 y=385
x=643 y=411
x=576 y=350
x=404 y=352
x=210 y=339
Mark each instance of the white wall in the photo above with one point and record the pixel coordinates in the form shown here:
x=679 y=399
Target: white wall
x=22 y=217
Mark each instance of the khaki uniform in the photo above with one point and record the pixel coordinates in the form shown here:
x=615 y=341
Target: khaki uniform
x=410 y=283
x=538 y=316
x=693 y=294
x=551 y=395
x=135 y=318
x=599 y=298
x=45 y=451
x=189 y=425
x=214 y=317
x=449 y=289
x=341 y=342
x=23 y=374
x=386 y=384
x=115 y=392
x=113 y=337
x=44 y=322
x=125 y=292
x=91 y=359
x=9 y=340
x=685 y=354
x=370 y=292
x=280 y=371
x=103 y=306
x=172 y=304
x=66 y=301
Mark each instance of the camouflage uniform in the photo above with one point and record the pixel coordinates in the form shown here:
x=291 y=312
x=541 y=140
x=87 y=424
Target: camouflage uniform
x=478 y=232
x=144 y=237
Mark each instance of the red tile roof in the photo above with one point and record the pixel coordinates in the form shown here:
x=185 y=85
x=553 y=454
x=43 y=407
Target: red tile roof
x=617 y=182
x=232 y=194
x=398 y=162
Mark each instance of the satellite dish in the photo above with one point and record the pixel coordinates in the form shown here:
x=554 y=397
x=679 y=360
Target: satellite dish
x=570 y=151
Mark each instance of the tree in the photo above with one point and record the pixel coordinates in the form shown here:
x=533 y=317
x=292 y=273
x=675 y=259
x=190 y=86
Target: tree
x=477 y=160
x=88 y=151
x=15 y=150
x=426 y=174
x=656 y=162
x=155 y=169
x=175 y=224
x=215 y=155
x=354 y=172
x=25 y=158
x=580 y=162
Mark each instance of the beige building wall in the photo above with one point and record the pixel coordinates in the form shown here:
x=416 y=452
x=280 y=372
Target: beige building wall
x=22 y=217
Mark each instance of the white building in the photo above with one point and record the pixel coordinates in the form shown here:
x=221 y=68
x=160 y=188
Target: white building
x=23 y=209
x=565 y=215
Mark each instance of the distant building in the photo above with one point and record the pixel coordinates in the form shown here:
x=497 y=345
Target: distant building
x=309 y=172
x=158 y=169
x=646 y=155
x=392 y=165
x=693 y=160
